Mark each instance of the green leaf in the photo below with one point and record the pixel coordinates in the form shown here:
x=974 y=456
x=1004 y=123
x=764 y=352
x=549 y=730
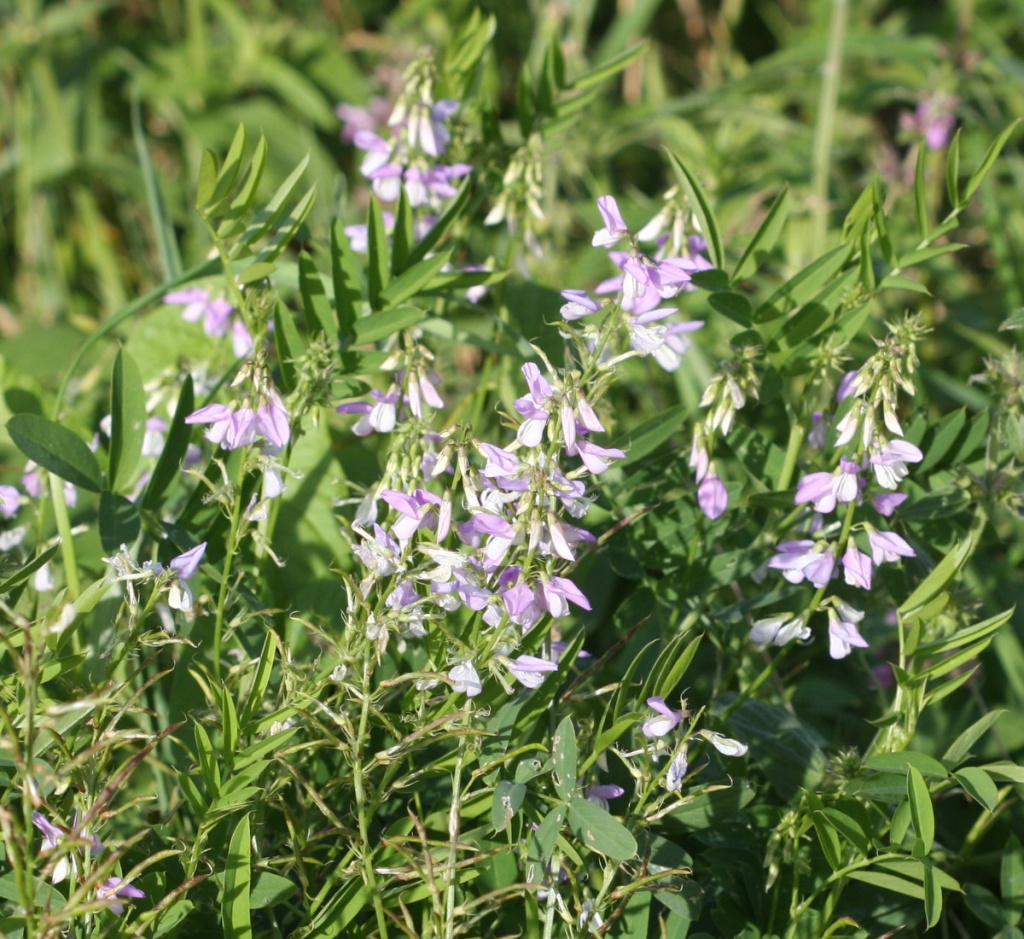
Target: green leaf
x=209 y=761
x=345 y=272
x=563 y=750
x=508 y=800
x=890 y=882
x=849 y=829
x=229 y=169
x=979 y=786
x=237 y=876
x=921 y=812
x=650 y=435
x=168 y=466
x=377 y=268
x=453 y=210
x=260 y=679
x=902 y=761
x=609 y=68
x=677 y=661
x=127 y=421
x=382 y=325
x=764 y=239
x=24 y=573
x=701 y=208
x=1005 y=771
x=403 y=235
x=988 y=161
x=941 y=439
x=244 y=199
x=940 y=576
x=803 y=286
x=316 y=306
x=960 y=749
x=733 y=305
x=207 y=179
x=542 y=844
x=953 y=171
x=1011 y=880
x=932 y=896
x=57 y=449
x=266 y=220
x=921 y=193
x=269 y=889
x=414 y=279
x=595 y=828
x=119 y=521
x=289 y=344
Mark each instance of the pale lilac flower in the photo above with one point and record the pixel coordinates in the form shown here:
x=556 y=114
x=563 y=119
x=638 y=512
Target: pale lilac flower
x=380 y=416
x=417 y=511
x=272 y=420
x=600 y=793
x=700 y=459
x=530 y=671
x=677 y=770
x=534 y=407
x=215 y=312
x=779 y=630
x=464 y=679
x=857 y=567
x=802 y=559
x=886 y=503
x=355 y=118
x=382 y=554
x=890 y=460
x=933 y=119
x=10 y=501
x=724 y=745
x=817 y=437
x=614 y=226
x=826 y=490
x=595 y=458
x=669 y=355
x=500 y=463
x=113 y=889
x=579 y=304
x=522 y=604
x=843 y=634
x=712 y=496
x=32 y=483
x=847 y=385
x=888 y=546
x=663 y=722
x=187 y=563
x=557 y=592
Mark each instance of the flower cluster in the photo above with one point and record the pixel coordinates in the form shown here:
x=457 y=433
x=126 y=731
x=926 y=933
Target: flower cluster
x=863 y=437
x=218 y=316
x=417 y=136
x=112 y=891
x=174 y=578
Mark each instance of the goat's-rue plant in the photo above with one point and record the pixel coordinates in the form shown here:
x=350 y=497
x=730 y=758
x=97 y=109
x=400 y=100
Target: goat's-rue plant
x=318 y=624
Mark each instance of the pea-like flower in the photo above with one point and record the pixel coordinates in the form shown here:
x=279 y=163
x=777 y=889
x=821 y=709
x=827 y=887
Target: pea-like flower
x=663 y=721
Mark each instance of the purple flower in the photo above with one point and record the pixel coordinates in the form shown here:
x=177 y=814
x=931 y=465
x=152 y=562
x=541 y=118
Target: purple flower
x=416 y=511
x=272 y=420
x=579 y=304
x=199 y=305
x=847 y=385
x=663 y=722
x=534 y=407
x=464 y=679
x=614 y=226
x=531 y=671
x=381 y=416
x=779 y=629
x=805 y=559
x=712 y=496
x=890 y=459
x=115 y=888
x=888 y=546
x=186 y=564
x=595 y=458
x=600 y=793
x=886 y=503
x=826 y=490
x=10 y=501
x=356 y=118
x=558 y=592
x=677 y=770
x=856 y=567
x=843 y=634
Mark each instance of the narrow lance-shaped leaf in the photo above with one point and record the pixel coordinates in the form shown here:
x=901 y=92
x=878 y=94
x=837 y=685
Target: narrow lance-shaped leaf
x=237 y=876
x=764 y=238
x=345 y=272
x=168 y=466
x=563 y=749
x=127 y=422
x=377 y=273
x=921 y=811
x=701 y=209
x=314 y=297
x=988 y=161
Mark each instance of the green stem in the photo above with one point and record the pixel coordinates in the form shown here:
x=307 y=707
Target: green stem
x=67 y=544
x=229 y=559
x=824 y=131
x=454 y=826
x=359 y=785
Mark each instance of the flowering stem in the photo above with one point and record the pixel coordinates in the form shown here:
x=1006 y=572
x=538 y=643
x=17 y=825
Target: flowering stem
x=359 y=785
x=67 y=545
x=222 y=596
x=454 y=824
x=824 y=130
x=797 y=432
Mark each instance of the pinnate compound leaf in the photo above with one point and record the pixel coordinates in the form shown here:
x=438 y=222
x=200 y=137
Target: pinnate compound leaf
x=593 y=826
x=57 y=449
